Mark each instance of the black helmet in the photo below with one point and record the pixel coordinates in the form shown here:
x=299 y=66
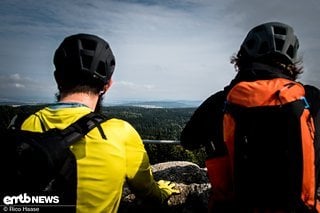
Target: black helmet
x=272 y=39
x=83 y=57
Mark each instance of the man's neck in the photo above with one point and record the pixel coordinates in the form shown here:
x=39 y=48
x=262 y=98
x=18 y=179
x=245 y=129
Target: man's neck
x=83 y=98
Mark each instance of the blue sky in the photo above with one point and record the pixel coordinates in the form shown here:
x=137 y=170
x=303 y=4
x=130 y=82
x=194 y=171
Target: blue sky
x=165 y=50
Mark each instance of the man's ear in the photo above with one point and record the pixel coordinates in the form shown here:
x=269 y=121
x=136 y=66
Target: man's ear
x=106 y=87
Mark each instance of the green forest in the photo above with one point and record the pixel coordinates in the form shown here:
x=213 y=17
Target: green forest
x=151 y=123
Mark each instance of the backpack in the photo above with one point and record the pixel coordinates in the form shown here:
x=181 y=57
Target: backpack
x=269 y=132
x=38 y=164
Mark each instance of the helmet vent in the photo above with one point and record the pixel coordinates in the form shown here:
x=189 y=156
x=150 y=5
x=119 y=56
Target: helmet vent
x=279 y=30
x=290 y=51
x=101 y=69
x=89 y=44
x=86 y=61
x=113 y=63
x=279 y=44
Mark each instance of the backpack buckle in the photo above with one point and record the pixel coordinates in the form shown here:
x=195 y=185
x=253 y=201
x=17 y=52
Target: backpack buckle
x=305 y=102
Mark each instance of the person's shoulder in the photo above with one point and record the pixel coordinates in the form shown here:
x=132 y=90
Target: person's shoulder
x=311 y=88
x=122 y=131
x=216 y=96
x=26 y=117
x=117 y=123
x=312 y=92
x=213 y=100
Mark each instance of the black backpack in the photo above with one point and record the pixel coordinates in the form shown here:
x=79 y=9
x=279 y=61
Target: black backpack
x=37 y=164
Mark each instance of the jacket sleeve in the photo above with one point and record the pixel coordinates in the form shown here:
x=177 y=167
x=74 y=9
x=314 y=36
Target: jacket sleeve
x=205 y=126
x=139 y=174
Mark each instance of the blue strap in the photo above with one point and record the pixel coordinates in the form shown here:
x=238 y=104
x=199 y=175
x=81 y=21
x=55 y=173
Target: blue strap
x=306 y=104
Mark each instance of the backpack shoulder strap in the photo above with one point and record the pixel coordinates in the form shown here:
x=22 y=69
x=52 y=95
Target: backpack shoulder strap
x=81 y=127
x=312 y=95
x=17 y=120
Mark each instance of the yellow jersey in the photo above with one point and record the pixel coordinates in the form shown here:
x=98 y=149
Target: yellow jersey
x=103 y=165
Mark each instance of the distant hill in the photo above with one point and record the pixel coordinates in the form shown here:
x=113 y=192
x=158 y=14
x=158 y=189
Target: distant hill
x=18 y=103
x=160 y=104
x=143 y=104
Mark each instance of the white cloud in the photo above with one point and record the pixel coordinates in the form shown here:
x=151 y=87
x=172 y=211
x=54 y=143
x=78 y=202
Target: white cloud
x=18 y=85
x=15 y=77
x=133 y=86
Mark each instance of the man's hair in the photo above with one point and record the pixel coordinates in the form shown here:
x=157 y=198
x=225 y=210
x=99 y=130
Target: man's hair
x=78 y=88
x=241 y=61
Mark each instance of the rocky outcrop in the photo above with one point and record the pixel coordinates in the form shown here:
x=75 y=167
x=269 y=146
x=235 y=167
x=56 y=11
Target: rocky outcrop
x=190 y=179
